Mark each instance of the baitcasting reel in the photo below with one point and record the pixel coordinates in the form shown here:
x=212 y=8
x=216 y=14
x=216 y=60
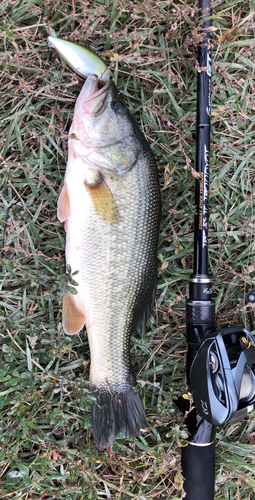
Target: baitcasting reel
x=222 y=376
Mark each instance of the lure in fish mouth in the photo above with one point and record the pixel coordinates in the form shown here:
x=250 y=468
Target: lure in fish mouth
x=81 y=59
x=110 y=203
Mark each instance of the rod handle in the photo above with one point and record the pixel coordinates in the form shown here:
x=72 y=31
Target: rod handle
x=198 y=466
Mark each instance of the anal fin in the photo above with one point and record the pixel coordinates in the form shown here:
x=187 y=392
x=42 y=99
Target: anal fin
x=64 y=209
x=73 y=319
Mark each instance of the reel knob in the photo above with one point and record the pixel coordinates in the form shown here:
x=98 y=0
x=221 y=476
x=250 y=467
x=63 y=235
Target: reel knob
x=214 y=362
x=250 y=299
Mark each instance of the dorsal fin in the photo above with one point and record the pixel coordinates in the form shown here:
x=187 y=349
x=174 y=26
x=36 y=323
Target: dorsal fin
x=64 y=209
x=73 y=319
x=144 y=305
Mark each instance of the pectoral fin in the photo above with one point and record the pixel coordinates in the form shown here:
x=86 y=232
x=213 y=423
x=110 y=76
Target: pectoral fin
x=64 y=210
x=103 y=201
x=73 y=319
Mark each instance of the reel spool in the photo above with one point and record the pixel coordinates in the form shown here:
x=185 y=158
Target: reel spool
x=222 y=376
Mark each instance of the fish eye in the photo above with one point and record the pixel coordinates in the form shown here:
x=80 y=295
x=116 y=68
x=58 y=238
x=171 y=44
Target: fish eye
x=118 y=106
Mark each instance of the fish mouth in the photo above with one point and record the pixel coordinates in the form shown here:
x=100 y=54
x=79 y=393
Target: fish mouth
x=94 y=95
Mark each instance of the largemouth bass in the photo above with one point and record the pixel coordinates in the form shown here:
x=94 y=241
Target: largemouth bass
x=110 y=203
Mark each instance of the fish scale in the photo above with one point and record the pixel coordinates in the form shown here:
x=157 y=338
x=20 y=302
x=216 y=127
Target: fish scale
x=112 y=234
x=112 y=304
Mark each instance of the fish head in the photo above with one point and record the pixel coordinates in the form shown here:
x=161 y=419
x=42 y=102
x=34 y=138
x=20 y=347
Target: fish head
x=102 y=123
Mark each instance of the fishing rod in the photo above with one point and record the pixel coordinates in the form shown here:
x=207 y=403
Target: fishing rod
x=198 y=457
x=220 y=364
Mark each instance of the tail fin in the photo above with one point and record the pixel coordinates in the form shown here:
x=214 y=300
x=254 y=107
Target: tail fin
x=113 y=413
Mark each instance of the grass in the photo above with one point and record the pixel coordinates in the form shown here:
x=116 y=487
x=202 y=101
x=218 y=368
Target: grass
x=46 y=446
